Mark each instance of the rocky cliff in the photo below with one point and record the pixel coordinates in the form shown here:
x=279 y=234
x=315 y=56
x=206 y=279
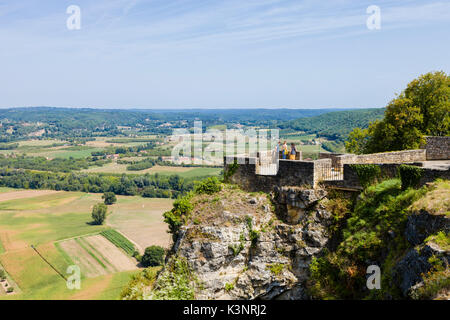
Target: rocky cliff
x=298 y=243
x=239 y=248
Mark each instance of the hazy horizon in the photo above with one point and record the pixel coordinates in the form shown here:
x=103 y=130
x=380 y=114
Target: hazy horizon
x=192 y=108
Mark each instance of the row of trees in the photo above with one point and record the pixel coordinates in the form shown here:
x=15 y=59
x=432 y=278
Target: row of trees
x=146 y=185
x=54 y=165
x=124 y=150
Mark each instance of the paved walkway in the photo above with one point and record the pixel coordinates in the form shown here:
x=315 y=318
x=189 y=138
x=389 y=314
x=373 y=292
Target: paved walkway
x=438 y=164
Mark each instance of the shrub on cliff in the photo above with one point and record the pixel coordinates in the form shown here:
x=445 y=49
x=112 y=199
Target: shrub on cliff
x=208 y=186
x=178 y=215
x=176 y=282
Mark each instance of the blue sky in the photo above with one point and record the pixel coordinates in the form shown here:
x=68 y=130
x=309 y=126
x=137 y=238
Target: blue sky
x=217 y=54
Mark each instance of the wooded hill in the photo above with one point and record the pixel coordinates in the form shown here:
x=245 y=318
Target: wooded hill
x=335 y=125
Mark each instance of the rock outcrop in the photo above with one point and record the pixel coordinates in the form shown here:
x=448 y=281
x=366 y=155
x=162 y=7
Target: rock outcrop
x=251 y=253
x=240 y=245
x=422 y=224
x=409 y=271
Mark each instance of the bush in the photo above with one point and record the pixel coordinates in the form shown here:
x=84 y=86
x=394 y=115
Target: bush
x=142 y=165
x=410 y=176
x=109 y=198
x=178 y=215
x=137 y=256
x=99 y=213
x=176 y=282
x=139 y=282
x=208 y=186
x=153 y=256
x=232 y=168
x=367 y=173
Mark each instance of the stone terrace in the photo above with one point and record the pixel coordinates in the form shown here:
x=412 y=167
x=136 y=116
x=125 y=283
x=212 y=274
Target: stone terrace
x=334 y=170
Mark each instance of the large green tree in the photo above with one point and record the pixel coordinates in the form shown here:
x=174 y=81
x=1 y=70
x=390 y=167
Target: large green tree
x=423 y=108
x=99 y=213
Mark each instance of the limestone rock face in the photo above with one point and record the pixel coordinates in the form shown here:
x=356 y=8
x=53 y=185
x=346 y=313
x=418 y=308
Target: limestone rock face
x=255 y=254
x=423 y=224
x=296 y=202
x=408 y=272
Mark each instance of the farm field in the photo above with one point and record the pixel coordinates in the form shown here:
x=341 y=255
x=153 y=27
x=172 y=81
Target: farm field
x=185 y=172
x=47 y=150
x=96 y=255
x=53 y=148
x=57 y=224
x=141 y=221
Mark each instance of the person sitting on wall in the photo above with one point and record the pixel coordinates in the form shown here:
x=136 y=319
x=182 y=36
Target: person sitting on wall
x=293 y=152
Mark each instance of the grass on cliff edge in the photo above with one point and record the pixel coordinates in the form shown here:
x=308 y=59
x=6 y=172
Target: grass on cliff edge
x=374 y=232
x=436 y=201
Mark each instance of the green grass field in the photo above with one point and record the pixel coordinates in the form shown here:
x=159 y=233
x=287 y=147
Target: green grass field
x=195 y=172
x=119 y=240
x=185 y=172
x=42 y=221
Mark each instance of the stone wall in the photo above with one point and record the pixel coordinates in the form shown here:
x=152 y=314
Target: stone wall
x=384 y=157
x=351 y=180
x=335 y=158
x=308 y=173
x=388 y=171
x=290 y=173
x=438 y=148
x=429 y=175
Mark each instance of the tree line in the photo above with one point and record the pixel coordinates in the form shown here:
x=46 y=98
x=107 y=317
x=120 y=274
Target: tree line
x=54 y=165
x=154 y=186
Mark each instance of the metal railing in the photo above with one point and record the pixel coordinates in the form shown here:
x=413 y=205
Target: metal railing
x=267 y=163
x=329 y=173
